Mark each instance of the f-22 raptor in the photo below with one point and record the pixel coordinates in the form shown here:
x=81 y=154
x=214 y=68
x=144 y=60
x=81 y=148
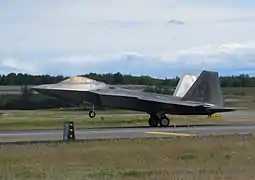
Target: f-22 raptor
x=203 y=97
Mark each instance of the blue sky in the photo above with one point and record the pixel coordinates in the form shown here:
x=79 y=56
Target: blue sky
x=160 y=38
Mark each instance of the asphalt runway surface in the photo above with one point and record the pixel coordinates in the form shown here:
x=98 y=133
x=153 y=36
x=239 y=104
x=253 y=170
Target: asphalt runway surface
x=139 y=132
x=126 y=132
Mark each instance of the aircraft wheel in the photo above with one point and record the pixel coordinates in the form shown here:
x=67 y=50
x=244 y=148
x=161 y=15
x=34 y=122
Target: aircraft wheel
x=153 y=122
x=164 y=121
x=92 y=114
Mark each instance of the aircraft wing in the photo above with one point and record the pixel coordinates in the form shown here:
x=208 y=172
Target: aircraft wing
x=151 y=98
x=166 y=101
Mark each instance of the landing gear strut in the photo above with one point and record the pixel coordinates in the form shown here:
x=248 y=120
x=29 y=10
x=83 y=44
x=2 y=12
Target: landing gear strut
x=92 y=112
x=158 y=119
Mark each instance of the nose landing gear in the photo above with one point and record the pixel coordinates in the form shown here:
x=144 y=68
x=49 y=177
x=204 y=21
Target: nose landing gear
x=92 y=112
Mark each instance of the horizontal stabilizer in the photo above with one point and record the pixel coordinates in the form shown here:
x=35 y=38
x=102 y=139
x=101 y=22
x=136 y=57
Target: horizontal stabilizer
x=218 y=110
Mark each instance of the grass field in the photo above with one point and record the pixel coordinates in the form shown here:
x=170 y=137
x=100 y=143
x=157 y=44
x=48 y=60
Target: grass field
x=200 y=158
x=52 y=119
x=241 y=96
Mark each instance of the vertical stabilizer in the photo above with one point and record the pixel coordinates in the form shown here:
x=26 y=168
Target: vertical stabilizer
x=206 y=89
x=184 y=84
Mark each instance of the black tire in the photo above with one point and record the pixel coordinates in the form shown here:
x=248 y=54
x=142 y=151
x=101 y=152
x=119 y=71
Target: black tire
x=153 y=122
x=164 y=122
x=92 y=114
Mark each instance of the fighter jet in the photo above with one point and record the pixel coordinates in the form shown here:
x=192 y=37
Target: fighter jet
x=202 y=96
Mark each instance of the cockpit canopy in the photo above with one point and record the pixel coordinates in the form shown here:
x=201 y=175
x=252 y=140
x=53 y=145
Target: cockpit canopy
x=79 y=80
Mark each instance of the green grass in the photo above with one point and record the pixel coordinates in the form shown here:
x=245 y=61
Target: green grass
x=52 y=119
x=199 y=158
x=244 y=95
x=239 y=91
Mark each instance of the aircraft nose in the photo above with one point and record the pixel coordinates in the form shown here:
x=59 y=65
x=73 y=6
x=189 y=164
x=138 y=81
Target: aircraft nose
x=39 y=87
x=44 y=89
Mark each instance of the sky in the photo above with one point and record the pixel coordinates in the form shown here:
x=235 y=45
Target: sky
x=159 y=38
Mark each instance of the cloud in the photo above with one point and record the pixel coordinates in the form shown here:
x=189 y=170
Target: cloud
x=235 y=57
x=176 y=22
x=140 y=37
x=238 y=20
x=227 y=55
x=14 y=65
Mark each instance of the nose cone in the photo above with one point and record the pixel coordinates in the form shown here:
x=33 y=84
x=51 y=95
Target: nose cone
x=40 y=87
x=44 y=89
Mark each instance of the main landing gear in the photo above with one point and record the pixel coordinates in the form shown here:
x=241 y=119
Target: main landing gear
x=92 y=112
x=158 y=119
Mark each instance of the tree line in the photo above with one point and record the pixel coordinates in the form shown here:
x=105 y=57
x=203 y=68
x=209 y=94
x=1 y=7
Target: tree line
x=242 y=80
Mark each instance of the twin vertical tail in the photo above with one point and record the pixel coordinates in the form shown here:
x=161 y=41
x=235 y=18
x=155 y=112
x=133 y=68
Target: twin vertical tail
x=185 y=82
x=206 y=89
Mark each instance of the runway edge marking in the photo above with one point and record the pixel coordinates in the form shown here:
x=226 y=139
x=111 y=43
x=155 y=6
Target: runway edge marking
x=170 y=133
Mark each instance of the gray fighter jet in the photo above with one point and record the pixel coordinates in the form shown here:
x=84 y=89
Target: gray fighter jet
x=203 y=97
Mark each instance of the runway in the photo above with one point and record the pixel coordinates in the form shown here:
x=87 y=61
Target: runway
x=126 y=132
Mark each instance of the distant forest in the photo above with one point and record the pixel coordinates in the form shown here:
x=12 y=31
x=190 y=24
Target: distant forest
x=118 y=78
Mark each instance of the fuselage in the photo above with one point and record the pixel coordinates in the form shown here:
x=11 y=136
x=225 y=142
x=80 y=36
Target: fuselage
x=102 y=94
